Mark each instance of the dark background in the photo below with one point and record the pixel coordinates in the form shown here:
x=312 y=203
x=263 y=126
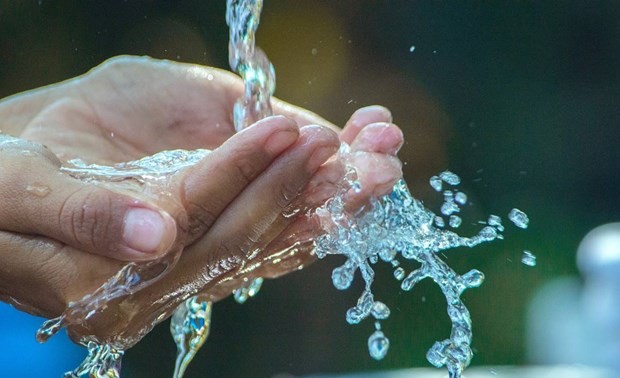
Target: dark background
x=520 y=98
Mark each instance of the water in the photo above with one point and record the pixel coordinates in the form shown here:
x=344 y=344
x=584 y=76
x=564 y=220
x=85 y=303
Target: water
x=250 y=62
x=528 y=258
x=38 y=189
x=398 y=226
x=450 y=178
x=248 y=290
x=148 y=176
x=393 y=228
x=258 y=74
x=436 y=183
x=189 y=326
x=519 y=218
x=102 y=361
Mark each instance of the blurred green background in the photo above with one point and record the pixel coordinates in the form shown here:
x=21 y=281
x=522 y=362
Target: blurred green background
x=520 y=98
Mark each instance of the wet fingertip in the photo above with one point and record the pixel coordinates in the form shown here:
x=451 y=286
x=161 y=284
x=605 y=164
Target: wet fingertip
x=147 y=234
x=281 y=140
x=371 y=114
x=363 y=117
x=380 y=137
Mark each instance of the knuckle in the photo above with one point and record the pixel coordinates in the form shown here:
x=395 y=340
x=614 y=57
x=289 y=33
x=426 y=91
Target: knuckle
x=245 y=169
x=201 y=218
x=86 y=216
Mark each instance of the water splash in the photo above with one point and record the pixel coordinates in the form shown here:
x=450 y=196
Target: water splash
x=190 y=325
x=248 y=290
x=398 y=226
x=103 y=361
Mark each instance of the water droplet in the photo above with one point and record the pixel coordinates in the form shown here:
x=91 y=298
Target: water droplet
x=449 y=208
x=528 y=258
x=209 y=77
x=314 y=51
x=473 y=278
x=450 y=178
x=399 y=273
x=38 y=190
x=240 y=295
x=412 y=49
x=496 y=222
x=378 y=345
x=519 y=218
x=435 y=183
x=342 y=277
x=380 y=310
x=488 y=233
x=461 y=198
x=255 y=286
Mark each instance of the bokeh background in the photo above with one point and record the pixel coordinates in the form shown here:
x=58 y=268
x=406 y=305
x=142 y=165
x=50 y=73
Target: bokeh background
x=520 y=98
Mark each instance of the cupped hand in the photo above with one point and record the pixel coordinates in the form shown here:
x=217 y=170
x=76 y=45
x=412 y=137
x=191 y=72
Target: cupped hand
x=63 y=244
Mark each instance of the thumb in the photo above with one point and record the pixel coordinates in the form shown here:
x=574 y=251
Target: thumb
x=36 y=198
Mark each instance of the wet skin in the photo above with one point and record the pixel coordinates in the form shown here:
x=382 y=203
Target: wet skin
x=224 y=215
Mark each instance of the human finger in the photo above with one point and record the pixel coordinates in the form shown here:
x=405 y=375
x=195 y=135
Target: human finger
x=363 y=117
x=302 y=116
x=41 y=276
x=256 y=216
x=211 y=185
x=36 y=198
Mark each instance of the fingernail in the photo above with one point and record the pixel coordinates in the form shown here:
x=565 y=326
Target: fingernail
x=147 y=231
x=379 y=137
x=279 y=141
x=372 y=114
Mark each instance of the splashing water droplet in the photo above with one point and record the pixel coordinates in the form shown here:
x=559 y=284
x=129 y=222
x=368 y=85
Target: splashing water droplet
x=380 y=310
x=342 y=277
x=496 y=222
x=190 y=326
x=519 y=218
x=528 y=258
x=455 y=221
x=399 y=273
x=248 y=290
x=436 y=183
x=102 y=361
x=473 y=278
x=450 y=178
x=460 y=198
x=378 y=345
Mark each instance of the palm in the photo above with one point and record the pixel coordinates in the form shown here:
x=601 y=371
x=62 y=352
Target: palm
x=109 y=117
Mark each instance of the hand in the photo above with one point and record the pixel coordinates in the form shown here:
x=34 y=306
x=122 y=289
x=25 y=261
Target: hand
x=165 y=110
